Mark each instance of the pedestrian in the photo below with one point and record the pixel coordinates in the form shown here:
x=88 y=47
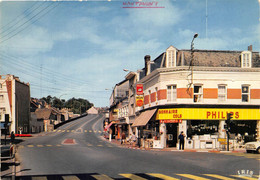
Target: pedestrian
x=181 y=138
x=12 y=137
x=133 y=138
x=123 y=138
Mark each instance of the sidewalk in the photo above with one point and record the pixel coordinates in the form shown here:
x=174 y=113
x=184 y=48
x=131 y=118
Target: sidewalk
x=127 y=145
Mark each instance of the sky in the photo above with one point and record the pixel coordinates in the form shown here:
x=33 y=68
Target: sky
x=80 y=48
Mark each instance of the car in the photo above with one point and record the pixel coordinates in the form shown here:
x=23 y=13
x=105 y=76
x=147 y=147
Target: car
x=253 y=147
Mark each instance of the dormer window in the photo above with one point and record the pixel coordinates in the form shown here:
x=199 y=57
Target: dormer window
x=171 y=57
x=246 y=59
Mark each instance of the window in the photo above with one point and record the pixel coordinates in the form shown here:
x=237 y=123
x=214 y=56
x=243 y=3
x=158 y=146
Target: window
x=246 y=58
x=156 y=90
x=171 y=57
x=150 y=96
x=245 y=93
x=1 y=98
x=171 y=93
x=198 y=93
x=222 y=93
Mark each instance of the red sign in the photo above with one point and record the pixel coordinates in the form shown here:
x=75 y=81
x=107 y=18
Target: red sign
x=139 y=89
x=171 y=121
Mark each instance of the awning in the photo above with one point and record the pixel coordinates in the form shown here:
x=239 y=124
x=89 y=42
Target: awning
x=144 y=118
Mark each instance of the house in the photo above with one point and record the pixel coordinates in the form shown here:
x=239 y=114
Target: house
x=14 y=104
x=92 y=110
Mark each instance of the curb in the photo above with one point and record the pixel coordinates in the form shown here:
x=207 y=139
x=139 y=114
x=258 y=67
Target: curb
x=174 y=150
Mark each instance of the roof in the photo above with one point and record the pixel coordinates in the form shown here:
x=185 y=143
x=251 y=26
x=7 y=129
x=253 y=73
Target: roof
x=43 y=113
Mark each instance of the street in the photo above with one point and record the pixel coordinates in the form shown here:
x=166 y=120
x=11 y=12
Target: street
x=77 y=150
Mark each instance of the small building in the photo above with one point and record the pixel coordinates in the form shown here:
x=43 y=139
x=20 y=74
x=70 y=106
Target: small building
x=15 y=103
x=92 y=110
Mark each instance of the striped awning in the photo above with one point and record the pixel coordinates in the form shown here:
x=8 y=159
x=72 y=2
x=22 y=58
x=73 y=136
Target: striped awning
x=144 y=118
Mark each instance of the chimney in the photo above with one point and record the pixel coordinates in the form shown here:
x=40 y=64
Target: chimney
x=147 y=59
x=250 y=48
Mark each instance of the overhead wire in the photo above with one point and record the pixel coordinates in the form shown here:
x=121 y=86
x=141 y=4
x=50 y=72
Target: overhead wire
x=26 y=23
x=19 y=18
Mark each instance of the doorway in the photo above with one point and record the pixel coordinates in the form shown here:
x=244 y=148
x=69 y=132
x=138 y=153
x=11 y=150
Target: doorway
x=171 y=134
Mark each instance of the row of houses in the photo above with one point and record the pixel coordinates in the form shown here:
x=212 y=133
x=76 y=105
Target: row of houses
x=23 y=114
x=190 y=91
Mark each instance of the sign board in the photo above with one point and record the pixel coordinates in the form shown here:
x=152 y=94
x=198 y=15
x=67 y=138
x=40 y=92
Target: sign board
x=207 y=114
x=171 y=121
x=139 y=101
x=139 y=89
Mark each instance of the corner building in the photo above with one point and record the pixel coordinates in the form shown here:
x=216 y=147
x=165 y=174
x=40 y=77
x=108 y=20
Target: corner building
x=194 y=93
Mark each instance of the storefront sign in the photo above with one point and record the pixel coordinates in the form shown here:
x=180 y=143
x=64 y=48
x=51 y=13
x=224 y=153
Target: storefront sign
x=207 y=114
x=139 y=89
x=171 y=121
x=139 y=101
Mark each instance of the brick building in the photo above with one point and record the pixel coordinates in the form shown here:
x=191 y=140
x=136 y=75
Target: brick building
x=193 y=92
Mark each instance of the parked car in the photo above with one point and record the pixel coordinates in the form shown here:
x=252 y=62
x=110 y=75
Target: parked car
x=253 y=147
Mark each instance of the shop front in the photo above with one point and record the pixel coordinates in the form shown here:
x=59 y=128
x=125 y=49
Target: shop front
x=206 y=128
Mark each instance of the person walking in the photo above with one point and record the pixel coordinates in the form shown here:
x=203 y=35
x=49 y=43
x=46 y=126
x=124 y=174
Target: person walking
x=181 y=138
x=123 y=138
x=12 y=137
x=133 y=138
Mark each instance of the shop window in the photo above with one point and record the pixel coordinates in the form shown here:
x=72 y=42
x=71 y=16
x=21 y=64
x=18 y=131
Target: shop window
x=172 y=93
x=222 y=93
x=246 y=58
x=198 y=93
x=245 y=93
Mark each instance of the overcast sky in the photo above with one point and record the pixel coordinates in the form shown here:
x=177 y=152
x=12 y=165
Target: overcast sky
x=79 y=49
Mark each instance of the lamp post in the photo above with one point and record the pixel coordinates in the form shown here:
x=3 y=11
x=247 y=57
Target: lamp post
x=192 y=56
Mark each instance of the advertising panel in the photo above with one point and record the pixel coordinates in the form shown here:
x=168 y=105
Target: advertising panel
x=139 y=89
x=139 y=101
x=207 y=114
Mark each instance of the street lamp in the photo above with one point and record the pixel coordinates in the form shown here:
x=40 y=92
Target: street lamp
x=192 y=56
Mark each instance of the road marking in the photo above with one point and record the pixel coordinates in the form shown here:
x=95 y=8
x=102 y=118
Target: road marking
x=70 y=178
x=30 y=146
x=161 y=176
x=100 y=145
x=21 y=147
x=68 y=130
x=72 y=130
x=59 y=130
x=101 y=177
x=219 y=177
x=58 y=145
x=89 y=145
x=39 y=178
x=48 y=145
x=244 y=177
x=90 y=130
x=132 y=176
x=86 y=130
x=39 y=145
x=95 y=131
x=54 y=130
x=192 y=177
x=63 y=130
x=99 y=131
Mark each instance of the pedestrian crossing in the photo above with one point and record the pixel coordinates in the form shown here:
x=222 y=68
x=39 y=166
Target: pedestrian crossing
x=144 y=176
x=76 y=131
x=246 y=155
x=61 y=145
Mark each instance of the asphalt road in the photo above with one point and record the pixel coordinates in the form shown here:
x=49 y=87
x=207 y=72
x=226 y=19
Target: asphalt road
x=77 y=150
